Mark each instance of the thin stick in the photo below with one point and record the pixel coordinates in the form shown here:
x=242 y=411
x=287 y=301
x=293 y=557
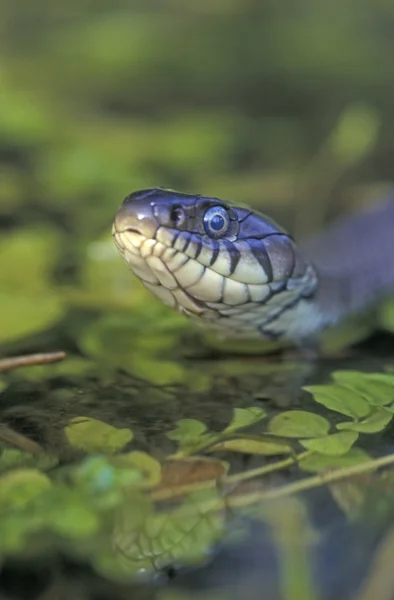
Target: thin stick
x=18 y=440
x=312 y=482
x=30 y=360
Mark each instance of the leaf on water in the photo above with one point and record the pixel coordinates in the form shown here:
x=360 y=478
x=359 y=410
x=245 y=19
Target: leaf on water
x=11 y=459
x=264 y=446
x=70 y=516
x=336 y=444
x=376 y=388
x=149 y=467
x=92 y=435
x=299 y=424
x=320 y=462
x=187 y=432
x=191 y=470
x=377 y=421
x=341 y=399
x=243 y=417
x=20 y=486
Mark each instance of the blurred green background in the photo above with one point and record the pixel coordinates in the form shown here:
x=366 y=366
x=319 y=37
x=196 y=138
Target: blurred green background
x=287 y=106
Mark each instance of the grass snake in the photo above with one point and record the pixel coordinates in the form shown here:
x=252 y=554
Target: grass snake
x=238 y=272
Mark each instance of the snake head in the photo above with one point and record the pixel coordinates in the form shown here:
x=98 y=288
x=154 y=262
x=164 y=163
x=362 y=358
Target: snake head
x=232 y=267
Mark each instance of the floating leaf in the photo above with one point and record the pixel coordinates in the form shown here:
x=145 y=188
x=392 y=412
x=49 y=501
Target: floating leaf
x=70 y=516
x=299 y=424
x=372 y=424
x=266 y=447
x=243 y=417
x=189 y=431
x=320 y=462
x=147 y=465
x=20 y=486
x=341 y=399
x=92 y=435
x=336 y=444
x=11 y=459
x=376 y=388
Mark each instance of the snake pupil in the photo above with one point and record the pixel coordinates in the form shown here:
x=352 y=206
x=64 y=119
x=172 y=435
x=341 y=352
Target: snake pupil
x=217 y=222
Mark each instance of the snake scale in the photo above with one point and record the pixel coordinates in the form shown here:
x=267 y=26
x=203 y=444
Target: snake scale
x=238 y=272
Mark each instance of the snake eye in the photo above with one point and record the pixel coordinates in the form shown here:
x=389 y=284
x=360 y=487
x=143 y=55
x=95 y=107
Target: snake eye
x=216 y=221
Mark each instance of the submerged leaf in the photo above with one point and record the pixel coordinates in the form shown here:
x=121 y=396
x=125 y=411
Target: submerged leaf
x=299 y=424
x=341 y=399
x=316 y=462
x=372 y=424
x=336 y=444
x=92 y=435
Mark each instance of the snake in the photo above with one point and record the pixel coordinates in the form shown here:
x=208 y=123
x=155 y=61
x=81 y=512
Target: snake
x=239 y=273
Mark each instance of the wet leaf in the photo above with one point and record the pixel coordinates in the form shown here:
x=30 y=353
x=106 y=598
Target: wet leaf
x=20 y=486
x=320 y=462
x=376 y=388
x=148 y=466
x=11 y=459
x=377 y=421
x=336 y=444
x=188 y=432
x=243 y=417
x=341 y=399
x=191 y=470
x=264 y=446
x=70 y=515
x=92 y=435
x=298 y=424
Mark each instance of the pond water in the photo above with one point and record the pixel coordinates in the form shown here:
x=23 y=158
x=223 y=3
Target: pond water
x=190 y=488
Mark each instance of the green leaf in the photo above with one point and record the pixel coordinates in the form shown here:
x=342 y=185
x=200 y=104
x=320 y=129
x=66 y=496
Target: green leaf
x=20 y=486
x=92 y=435
x=341 y=399
x=372 y=424
x=376 y=388
x=148 y=466
x=320 y=462
x=189 y=431
x=299 y=424
x=336 y=444
x=243 y=417
x=11 y=458
x=262 y=446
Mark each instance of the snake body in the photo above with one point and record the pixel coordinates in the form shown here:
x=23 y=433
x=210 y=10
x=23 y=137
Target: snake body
x=238 y=272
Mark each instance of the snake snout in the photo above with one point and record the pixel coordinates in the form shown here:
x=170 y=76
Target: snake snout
x=136 y=215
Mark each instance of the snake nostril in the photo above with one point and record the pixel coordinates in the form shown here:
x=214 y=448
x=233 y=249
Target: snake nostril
x=177 y=215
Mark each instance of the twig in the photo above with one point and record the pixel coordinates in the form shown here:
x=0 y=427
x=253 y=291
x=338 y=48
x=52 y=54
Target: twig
x=30 y=360
x=18 y=440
